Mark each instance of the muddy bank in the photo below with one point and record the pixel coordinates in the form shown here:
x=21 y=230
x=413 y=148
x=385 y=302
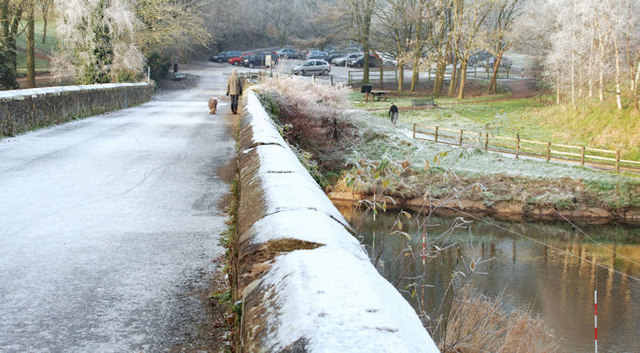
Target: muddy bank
x=507 y=210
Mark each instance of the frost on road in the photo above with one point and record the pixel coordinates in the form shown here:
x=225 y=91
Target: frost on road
x=109 y=225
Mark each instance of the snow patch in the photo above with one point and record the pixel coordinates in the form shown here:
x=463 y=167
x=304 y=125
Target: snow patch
x=339 y=303
x=34 y=92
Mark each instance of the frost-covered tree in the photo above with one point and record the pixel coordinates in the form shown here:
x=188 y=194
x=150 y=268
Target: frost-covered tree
x=97 y=41
x=11 y=15
x=591 y=45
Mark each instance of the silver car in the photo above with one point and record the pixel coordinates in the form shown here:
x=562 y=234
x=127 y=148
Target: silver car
x=312 y=67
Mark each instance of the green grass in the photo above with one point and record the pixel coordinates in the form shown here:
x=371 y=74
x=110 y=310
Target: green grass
x=598 y=125
x=50 y=45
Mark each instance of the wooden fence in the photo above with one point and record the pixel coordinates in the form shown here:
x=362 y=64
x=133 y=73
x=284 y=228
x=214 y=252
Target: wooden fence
x=390 y=74
x=582 y=155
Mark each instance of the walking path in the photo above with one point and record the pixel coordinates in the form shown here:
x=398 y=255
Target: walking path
x=109 y=226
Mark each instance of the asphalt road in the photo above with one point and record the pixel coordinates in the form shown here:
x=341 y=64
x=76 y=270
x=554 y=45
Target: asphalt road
x=109 y=226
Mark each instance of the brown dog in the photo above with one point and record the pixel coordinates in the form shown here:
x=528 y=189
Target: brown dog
x=213 y=105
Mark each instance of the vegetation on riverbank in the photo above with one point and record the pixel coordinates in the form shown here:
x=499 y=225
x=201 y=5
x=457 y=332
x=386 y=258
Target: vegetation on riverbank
x=318 y=122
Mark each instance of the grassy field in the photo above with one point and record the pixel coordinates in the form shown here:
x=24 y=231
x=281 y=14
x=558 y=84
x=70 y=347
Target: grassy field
x=597 y=125
x=42 y=50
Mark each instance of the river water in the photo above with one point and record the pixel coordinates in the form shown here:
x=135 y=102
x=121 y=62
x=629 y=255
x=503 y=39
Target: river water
x=548 y=269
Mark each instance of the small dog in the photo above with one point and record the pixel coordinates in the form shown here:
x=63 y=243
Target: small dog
x=213 y=106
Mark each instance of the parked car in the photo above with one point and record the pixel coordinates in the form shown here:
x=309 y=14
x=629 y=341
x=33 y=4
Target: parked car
x=312 y=67
x=258 y=59
x=225 y=56
x=340 y=61
x=316 y=54
x=288 y=53
x=334 y=55
x=359 y=61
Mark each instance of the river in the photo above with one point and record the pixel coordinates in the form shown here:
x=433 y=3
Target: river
x=546 y=268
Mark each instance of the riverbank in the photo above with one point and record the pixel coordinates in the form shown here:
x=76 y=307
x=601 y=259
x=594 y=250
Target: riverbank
x=349 y=150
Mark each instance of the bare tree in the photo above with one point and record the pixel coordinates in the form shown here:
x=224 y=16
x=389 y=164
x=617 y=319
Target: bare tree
x=501 y=34
x=361 y=14
x=468 y=19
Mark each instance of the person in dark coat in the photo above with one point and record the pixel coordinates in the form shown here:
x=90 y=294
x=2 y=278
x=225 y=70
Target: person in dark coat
x=234 y=89
x=393 y=113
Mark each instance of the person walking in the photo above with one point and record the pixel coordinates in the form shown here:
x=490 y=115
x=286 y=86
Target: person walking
x=234 y=89
x=393 y=114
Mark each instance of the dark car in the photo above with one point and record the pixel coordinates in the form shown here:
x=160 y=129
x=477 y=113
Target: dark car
x=288 y=53
x=359 y=61
x=258 y=59
x=225 y=56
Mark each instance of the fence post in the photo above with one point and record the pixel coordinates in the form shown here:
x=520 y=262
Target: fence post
x=397 y=76
x=508 y=72
x=617 y=161
x=548 y=151
x=349 y=78
x=381 y=77
x=582 y=157
x=436 y=133
x=429 y=76
x=331 y=80
x=517 y=145
x=414 y=131
x=486 y=141
x=475 y=71
x=460 y=141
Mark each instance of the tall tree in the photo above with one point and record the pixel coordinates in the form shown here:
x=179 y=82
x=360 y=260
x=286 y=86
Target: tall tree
x=31 y=44
x=361 y=14
x=501 y=34
x=468 y=19
x=11 y=12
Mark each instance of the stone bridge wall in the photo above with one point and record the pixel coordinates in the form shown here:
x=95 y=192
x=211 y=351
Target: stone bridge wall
x=28 y=109
x=304 y=281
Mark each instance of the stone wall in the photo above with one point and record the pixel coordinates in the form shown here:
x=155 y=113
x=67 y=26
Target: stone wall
x=28 y=109
x=303 y=281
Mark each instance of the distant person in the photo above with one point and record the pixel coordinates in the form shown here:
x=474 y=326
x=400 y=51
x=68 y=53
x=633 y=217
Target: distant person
x=393 y=113
x=234 y=89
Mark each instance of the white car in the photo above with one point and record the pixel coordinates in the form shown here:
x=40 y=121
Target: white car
x=312 y=67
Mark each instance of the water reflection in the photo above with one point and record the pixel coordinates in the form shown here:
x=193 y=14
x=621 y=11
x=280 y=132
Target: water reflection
x=551 y=269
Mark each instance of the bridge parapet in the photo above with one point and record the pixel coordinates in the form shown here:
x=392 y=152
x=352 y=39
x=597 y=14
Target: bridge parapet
x=27 y=109
x=305 y=282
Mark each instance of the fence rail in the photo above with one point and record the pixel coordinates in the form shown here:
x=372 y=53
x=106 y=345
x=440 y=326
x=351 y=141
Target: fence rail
x=390 y=74
x=595 y=157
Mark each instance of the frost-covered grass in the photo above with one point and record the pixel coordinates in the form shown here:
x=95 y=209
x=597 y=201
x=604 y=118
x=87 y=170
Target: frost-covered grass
x=403 y=99
x=380 y=137
x=597 y=125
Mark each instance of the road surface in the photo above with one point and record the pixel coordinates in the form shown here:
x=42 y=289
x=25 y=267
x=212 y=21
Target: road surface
x=109 y=226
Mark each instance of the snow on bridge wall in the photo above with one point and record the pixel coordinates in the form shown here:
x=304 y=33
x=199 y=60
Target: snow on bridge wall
x=28 y=109
x=305 y=281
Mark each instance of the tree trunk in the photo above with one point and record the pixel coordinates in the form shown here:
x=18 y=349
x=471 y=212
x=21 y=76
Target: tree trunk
x=463 y=78
x=365 y=65
x=31 y=46
x=617 y=77
x=493 y=84
x=637 y=86
x=415 y=74
x=439 y=79
x=400 y=75
x=452 y=83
